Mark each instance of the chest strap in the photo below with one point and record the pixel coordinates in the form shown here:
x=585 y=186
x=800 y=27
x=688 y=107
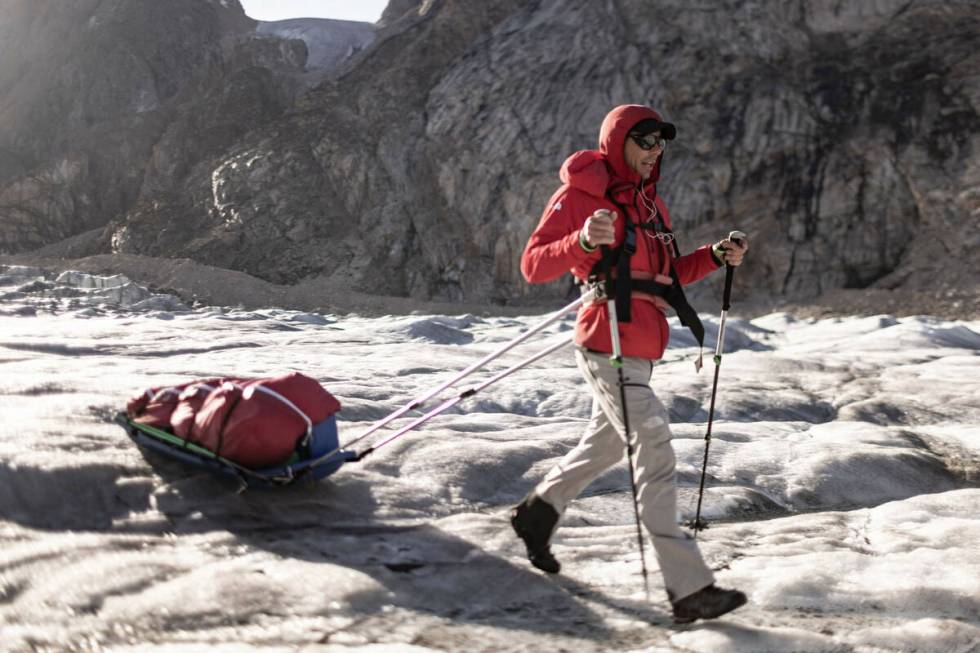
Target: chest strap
x=622 y=286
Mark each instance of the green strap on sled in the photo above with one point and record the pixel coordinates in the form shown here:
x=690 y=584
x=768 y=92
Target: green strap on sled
x=160 y=434
x=166 y=436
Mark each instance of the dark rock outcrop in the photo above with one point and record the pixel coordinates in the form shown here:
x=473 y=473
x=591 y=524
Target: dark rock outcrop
x=842 y=136
x=341 y=185
x=107 y=101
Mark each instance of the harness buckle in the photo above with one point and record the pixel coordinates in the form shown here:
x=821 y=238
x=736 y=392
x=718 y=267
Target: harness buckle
x=597 y=286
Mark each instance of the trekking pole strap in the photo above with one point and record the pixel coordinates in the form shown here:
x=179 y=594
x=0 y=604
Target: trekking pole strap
x=612 y=308
x=720 y=344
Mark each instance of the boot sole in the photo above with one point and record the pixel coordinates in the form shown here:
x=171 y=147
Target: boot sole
x=548 y=569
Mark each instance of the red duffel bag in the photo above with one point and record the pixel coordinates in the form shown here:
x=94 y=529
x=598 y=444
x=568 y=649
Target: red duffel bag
x=260 y=423
x=256 y=423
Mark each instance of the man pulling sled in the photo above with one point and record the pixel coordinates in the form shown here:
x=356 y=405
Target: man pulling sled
x=608 y=226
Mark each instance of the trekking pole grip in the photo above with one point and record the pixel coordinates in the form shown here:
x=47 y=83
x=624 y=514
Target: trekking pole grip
x=735 y=237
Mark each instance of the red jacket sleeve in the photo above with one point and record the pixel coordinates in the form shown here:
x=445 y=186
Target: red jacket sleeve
x=553 y=248
x=696 y=265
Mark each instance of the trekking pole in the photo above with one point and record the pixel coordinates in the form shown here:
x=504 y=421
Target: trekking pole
x=452 y=401
x=735 y=237
x=420 y=401
x=616 y=360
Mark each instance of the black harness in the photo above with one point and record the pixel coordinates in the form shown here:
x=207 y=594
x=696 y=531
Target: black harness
x=622 y=287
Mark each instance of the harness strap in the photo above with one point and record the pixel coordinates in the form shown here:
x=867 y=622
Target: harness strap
x=678 y=301
x=649 y=286
x=618 y=258
x=623 y=285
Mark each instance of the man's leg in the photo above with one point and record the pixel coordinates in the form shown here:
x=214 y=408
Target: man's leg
x=536 y=517
x=598 y=450
x=680 y=561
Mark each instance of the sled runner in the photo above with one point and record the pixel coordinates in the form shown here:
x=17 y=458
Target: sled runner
x=283 y=430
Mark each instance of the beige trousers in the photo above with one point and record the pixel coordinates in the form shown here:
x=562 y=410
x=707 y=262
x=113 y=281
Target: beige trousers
x=602 y=446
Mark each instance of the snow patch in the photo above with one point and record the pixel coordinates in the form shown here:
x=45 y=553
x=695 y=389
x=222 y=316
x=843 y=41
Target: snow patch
x=748 y=639
x=329 y=42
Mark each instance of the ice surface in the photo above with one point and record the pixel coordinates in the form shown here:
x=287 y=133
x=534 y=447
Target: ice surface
x=842 y=488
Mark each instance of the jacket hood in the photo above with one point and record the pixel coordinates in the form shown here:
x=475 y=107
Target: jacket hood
x=588 y=171
x=612 y=140
x=595 y=171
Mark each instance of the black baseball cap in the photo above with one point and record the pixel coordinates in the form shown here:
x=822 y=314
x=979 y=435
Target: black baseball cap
x=650 y=125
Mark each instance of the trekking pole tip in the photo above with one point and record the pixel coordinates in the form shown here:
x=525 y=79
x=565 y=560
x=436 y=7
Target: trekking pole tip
x=697 y=524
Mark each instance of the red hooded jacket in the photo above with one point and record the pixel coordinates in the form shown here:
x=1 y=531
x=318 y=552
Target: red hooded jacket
x=554 y=249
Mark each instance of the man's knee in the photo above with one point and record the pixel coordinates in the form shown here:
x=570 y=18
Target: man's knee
x=603 y=454
x=612 y=455
x=647 y=413
x=655 y=424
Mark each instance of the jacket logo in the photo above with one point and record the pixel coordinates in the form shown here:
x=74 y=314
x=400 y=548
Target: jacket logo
x=557 y=206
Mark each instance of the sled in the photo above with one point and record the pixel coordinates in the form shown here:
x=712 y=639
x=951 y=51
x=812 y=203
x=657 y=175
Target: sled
x=300 y=468
x=319 y=454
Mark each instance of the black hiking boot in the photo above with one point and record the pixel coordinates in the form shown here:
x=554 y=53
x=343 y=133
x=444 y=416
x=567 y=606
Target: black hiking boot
x=534 y=520
x=707 y=603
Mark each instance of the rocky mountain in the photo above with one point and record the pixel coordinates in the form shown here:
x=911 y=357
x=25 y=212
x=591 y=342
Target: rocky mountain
x=104 y=103
x=842 y=135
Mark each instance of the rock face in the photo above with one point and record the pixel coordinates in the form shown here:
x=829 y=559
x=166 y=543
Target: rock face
x=103 y=102
x=841 y=135
x=344 y=185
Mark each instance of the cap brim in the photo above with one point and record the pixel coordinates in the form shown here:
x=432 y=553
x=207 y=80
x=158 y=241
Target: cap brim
x=650 y=125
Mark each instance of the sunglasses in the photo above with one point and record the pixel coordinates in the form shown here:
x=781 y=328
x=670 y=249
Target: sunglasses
x=649 y=142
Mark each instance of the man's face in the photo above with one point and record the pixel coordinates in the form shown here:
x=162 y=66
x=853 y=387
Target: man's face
x=642 y=160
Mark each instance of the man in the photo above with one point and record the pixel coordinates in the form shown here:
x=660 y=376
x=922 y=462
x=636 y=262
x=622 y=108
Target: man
x=608 y=219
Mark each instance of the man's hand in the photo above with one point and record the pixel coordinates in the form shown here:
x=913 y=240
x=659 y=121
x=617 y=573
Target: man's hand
x=598 y=229
x=730 y=252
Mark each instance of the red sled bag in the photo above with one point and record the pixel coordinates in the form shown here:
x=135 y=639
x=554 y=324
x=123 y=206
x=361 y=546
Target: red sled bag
x=256 y=423
x=260 y=423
